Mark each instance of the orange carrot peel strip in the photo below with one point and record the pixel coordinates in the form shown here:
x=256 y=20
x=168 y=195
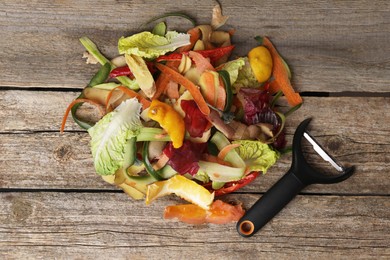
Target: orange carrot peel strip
x=215 y=159
x=281 y=80
x=161 y=85
x=131 y=93
x=224 y=151
x=76 y=101
x=191 y=87
x=202 y=63
x=163 y=80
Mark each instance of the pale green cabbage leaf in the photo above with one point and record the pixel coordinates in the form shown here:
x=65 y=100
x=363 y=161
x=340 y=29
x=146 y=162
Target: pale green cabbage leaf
x=245 y=77
x=257 y=155
x=110 y=134
x=150 y=46
x=233 y=67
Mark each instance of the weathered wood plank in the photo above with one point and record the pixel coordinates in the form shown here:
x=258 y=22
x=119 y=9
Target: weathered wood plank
x=51 y=161
x=44 y=159
x=47 y=160
x=106 y=225
x=43 y=111
x=331 y=45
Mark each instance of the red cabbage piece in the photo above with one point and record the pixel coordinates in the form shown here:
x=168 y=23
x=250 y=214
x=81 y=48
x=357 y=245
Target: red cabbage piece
x=256 y=105
x=185 y=159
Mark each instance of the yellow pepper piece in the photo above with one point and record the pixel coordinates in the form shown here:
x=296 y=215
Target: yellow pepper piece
x=260 y=60
x=170 y=120
x=182 y=187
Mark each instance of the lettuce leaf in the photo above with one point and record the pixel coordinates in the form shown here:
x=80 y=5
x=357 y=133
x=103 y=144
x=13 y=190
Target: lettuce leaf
x=150 y=46
x=257 y=155
x=233 y=67
x=110 y=134
x=245 y=77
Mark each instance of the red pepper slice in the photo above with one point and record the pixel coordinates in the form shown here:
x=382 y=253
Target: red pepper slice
x=121 y=71
x=217 y=53
x=196 y=123
x=213 y=54
x=229 y=187
x=125 y=71
x=171 y=56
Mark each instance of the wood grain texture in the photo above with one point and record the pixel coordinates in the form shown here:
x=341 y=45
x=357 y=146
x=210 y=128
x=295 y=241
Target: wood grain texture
x=53 y=205
x=23 y=111
x=105 y=225
x=30 y=134
x=51 y=161
x=327 y=43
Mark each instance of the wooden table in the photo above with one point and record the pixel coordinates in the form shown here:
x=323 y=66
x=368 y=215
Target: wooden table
x=53 y=205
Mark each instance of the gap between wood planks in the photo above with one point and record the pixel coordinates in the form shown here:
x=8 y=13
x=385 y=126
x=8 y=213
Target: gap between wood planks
x=303 y=193
x=304 y=93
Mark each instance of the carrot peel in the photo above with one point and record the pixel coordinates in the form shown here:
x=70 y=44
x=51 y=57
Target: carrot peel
x=281 y=80
x=224 y=151
x=131 y=93
x=76 y=101
x=161 y=85
x=191 y=87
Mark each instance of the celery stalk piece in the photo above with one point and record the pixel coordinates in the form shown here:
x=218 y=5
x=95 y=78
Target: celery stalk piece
x=91 y=47
x=126 y=81
x=233 y=157
x=107 y=86
x=152 y=134
x=221 y=173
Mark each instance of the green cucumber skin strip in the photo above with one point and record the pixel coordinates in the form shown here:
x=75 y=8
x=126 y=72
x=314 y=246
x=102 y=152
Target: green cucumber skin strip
x=166 y=173
x=130 y=152
x=148 y=166
x=93 y=50
x=107 y=86
x=226 y=173
x=101 y=76
x=143 y=180
x=82 y=124
x=217 y=185
x=233 y=157
x=228 y=88
x=160 y=29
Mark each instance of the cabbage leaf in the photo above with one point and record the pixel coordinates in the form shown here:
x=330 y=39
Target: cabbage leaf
x=233 y=67
x=150 y=46
x=110 y=134
x=257 y=155
x=245 y=77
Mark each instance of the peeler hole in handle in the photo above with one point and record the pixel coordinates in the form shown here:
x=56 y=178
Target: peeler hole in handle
x=246 y=227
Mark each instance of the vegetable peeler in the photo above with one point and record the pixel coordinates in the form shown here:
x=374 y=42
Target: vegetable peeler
x=300 y=175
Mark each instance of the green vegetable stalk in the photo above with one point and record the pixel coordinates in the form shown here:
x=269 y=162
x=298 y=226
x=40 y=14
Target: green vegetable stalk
x=93 y=50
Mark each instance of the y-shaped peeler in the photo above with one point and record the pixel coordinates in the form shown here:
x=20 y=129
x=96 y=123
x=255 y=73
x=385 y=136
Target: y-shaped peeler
x=300 y=175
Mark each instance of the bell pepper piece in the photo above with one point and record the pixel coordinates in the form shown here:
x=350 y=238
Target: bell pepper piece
x=170 y=120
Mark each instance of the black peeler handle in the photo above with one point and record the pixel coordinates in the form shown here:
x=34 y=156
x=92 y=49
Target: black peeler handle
x=270 y=204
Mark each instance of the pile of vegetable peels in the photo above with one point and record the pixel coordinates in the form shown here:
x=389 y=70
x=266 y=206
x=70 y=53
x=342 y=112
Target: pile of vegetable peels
x=178 y=116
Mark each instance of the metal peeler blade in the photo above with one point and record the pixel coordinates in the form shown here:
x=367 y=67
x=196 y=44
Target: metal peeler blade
x=322 y=152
